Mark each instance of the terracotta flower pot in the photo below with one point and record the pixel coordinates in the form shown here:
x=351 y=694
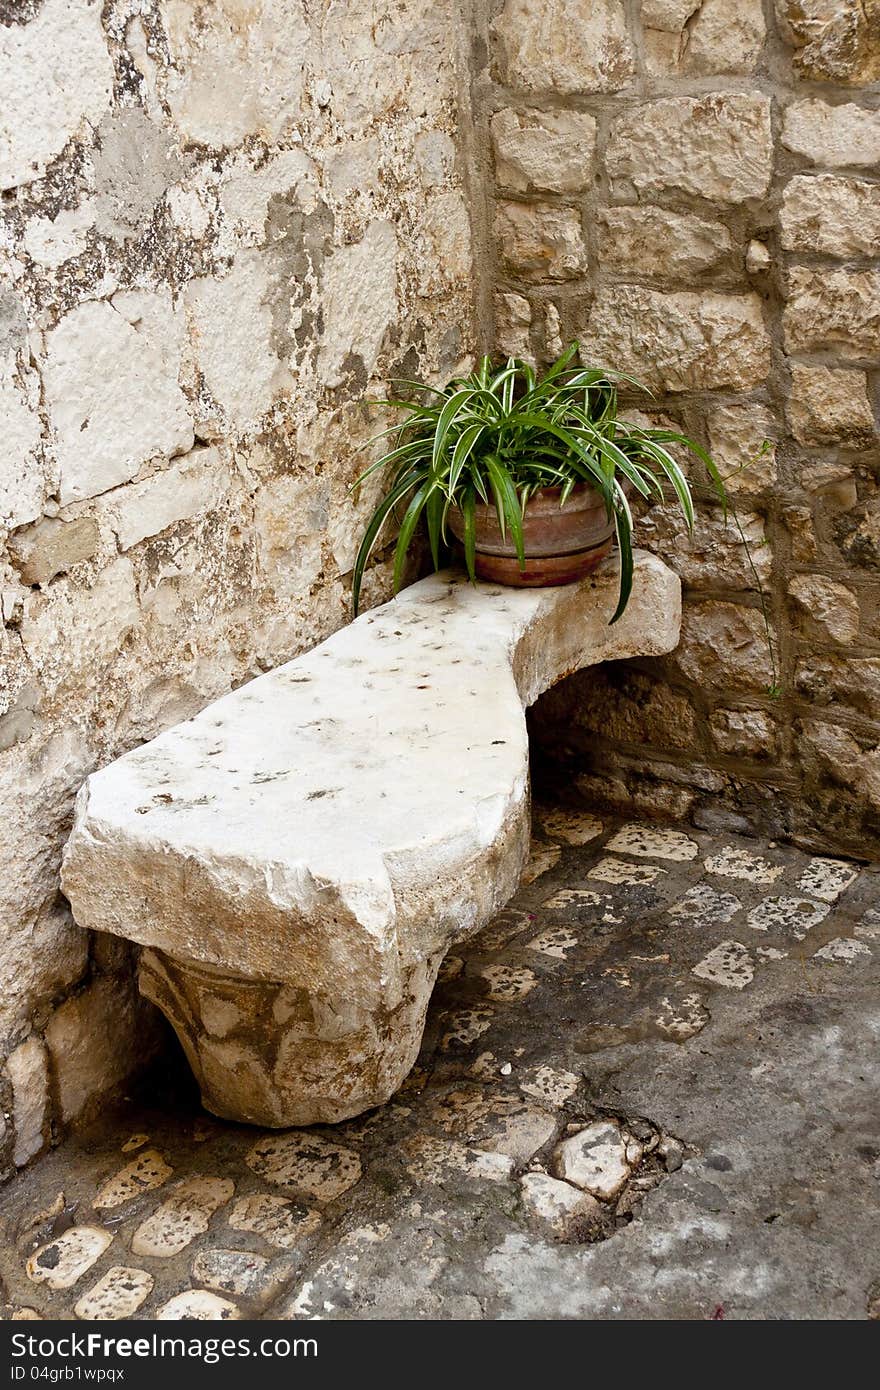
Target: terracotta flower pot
x=561 y=543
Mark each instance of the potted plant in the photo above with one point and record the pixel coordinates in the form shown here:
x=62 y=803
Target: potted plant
x=529 y=474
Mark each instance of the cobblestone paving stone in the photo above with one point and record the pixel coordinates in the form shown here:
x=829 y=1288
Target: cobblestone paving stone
x=648 y=1089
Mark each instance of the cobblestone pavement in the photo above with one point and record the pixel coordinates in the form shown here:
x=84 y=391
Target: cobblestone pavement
x=648 y=1089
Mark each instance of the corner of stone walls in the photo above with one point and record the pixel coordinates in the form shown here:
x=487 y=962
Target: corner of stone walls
x=691 y=190
x=77 y=1054
x=200 y=293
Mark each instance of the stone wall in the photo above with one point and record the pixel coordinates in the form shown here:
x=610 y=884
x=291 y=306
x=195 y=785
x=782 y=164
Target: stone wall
x=690 y=189
x=224 y=225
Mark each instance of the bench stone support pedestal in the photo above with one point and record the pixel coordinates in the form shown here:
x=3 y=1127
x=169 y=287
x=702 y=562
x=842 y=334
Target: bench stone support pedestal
x=275 y=1055
x=298 y=859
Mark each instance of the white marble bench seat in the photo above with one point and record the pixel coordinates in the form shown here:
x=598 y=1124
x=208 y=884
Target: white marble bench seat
x=298 y=858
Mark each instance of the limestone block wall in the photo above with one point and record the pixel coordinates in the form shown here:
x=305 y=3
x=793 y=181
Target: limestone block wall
x=691 y=189
x=224 y=224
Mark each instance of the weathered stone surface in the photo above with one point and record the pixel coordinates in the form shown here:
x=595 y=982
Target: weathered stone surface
x=232 y=78
x=95 y=1040
x=731 y=862
x=717 y=554
x=837 y=310
x=743 y=733
x=617 y=702
x=495 y=1123
x=724 y=644
x=181 y=492
x=112 y=394
x=569 y=826
x=360 y=301
x=60 y=1263
x=649 y=842
x=827 y=878
x=716 y=147
x=460 y=1235
x=50 y=241
x=551 y=151
x=831 y=607
x=685 y=36
x=144 y=1173
x=848 y=681
x=798 y=522
x=858 y=534
x=834 y=40
x=22 y=484
x=29 y=1073
x=250 y=1071
x=567 y=1211
x=831 y=215
x=44 y=104
x=198 y=1305
x=679 y=342
x=446 y=264
x=118 y=1294
x=308 y=1166
x=237 y=1272
x=724 y=36
x=540 y=240
x=596 y=1159
x=278 y=1220
x=212 y=226
x=360 y=954
x=564 y=46
x=829 y=405
x=513 y=320
x=729 y=964
x=741 y=441
x=44 y=953
x=52 y=546
x=668 y=15
x=843 y=759
x=234 y=350
x=837 y=136
x=181 y=1217
x=99 y=615
x=661 y=244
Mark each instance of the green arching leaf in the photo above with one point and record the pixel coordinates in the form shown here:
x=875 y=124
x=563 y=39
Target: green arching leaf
x=610 y=453
x=453 y=407
x=405 y=451
x=480 y=485
x=673 y=437
x=467 y=505
x=675 y=476
x=507 y=505
x=537 y=422
x=624 y=528
x=435 y=515
x=407 y=529
x=416 y=386
x=465 y=445
x=374 y=526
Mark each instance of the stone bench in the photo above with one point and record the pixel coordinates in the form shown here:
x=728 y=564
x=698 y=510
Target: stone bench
x=298 y=858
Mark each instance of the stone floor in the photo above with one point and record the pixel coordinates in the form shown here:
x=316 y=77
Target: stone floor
x=649 y=1089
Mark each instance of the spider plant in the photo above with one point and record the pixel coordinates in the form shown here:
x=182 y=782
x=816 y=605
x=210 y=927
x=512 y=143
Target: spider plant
x=502 y=433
